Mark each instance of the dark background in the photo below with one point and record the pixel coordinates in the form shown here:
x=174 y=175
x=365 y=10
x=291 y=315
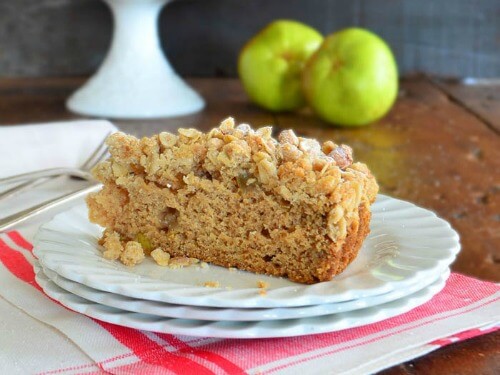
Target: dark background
x=455 y=38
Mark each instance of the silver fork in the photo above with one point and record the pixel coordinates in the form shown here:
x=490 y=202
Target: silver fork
x=39 y=177
x=8 y=222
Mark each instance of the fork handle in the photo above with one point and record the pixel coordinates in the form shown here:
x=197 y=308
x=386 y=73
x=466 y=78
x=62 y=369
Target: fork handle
x=46 y=173
x=20 y=217
x=22 y=187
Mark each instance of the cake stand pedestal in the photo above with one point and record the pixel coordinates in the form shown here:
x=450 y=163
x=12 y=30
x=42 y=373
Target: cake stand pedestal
x=135 y=80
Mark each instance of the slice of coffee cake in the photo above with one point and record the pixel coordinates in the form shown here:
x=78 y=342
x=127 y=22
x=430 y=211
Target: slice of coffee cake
x=234 y=197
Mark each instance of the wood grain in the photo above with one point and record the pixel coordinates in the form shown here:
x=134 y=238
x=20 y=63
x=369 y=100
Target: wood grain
x=429 y=149
x=481 y=99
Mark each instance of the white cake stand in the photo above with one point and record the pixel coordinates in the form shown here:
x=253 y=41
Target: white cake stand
x=135 y=80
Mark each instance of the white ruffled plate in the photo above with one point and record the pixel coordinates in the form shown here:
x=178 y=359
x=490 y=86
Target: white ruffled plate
x=228 y=329
x=213 y=313
x=407 y=245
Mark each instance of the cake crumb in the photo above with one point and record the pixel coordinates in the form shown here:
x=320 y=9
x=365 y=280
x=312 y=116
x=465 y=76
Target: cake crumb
x=162 y=258
x=232 y=269
x=262 y=284
x=204 y=265
x=212 y=284
x=133 y=254
x=263 y=292
x=181 y=262
x=112 y=245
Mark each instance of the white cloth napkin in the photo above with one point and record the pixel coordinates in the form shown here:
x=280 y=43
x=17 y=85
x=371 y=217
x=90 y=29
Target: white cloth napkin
x=65 y=144
x=33 y=147
x=27 y=345
x=37 y=335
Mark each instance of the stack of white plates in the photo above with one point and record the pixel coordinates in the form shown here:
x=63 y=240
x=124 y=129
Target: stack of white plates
x=403 y=263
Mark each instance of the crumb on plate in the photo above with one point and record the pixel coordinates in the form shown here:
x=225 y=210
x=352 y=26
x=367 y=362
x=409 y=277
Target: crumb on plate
x=212 y=284
x=262 y=284
x=162 y=258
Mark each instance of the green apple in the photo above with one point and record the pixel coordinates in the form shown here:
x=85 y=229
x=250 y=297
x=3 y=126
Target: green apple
x=270 y=65
x=352 y=79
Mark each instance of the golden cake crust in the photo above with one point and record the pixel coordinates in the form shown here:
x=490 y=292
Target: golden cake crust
x=235 y=197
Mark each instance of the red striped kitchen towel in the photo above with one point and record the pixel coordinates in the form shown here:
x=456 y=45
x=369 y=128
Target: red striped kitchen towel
x=37 y=335
x=465 y=308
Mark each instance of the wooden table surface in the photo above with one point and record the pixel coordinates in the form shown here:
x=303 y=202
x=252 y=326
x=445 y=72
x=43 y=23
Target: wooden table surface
x=439 y=147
